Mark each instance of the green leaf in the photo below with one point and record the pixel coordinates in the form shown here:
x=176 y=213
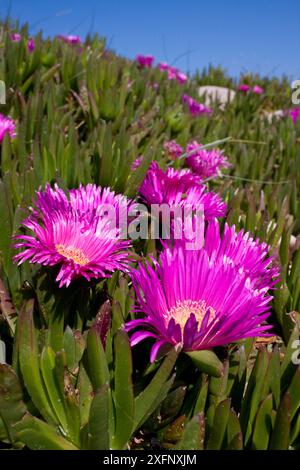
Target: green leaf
x=217 y=434
x=12 y=408
x=207 y=362
x=193 y=434
x=29 y=361
x=96 y=358
x=148 y=397
x=263 y=425
x=38 y=435
x=123 y=391
x=98 y=427
x=281 y=432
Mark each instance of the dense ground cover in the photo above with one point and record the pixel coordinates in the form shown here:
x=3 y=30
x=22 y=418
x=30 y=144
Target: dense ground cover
x=69 y=377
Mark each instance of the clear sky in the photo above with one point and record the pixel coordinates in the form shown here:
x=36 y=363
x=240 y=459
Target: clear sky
x=259 y=36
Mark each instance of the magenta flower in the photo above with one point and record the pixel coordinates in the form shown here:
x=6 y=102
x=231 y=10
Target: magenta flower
x=76 y=233
x=244 y=87
x=70 y=39
x=180 y=188
x=181 y=77
x=191 y=301
x=7 y=125
x=136 y=163
x=173 y=149
x=145 y=61
x=257 y=90
x=173 y=73
x=206 y=163
x=251 y=257
x=295 y=114
x=31 y=44
x=15 y=37
x=195 y=108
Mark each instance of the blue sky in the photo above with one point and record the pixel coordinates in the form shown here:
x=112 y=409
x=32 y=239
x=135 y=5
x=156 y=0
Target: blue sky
x=260 y=35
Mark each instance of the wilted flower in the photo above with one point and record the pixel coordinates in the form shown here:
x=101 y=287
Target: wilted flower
x=31 y=44
x=15 y=37
x=180 y=188
x=195 y=301
x=257 y=90
x=173 y=149
x=145 y=61
x=244 y=87
x=195 y=108
x=70 y=38
x=295 y=114
x=206 y=163
x=7 y=125
x=76 y=233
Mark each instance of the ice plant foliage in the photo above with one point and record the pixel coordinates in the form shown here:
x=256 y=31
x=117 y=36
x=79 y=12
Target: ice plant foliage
x=145 y=61
x=192 y=300
x=76 y=233
x=179 y=188
x=195 y=108
x=205 y=162
x=7 y=125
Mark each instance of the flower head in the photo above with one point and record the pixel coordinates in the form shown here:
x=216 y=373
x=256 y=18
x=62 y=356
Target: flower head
x=145 y=61
x=7 y=125
x=295 y=114
x=251 y=257
x=244 y=87
x=31 y=44
x=173 y=149
x=76 y=233
x=180 y=188
x=258 y=90
x=70 y=38
x=206 y=163
x=192 y=300
x=173 y=73
x=16 y=37
x=195 y=108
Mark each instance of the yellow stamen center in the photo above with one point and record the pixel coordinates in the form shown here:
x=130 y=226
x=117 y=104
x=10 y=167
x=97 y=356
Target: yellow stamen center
x=182 y=311
x=75 y=254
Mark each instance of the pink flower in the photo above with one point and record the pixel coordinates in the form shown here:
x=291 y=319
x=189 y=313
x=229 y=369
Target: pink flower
x=181 y=77
x=257 y=90
x=145 y=61
x=195 y=108
x=173 y=73
x=70 y=38
x=180 y=188
x=206 y=163
x=136 y=163
x=31 y=44
x=15 y=37
x=163 y=66
x=295 y=114
x=195 y=300
x=76 y=233
x=244 y=87
x=7 y=125
x=173 y=149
